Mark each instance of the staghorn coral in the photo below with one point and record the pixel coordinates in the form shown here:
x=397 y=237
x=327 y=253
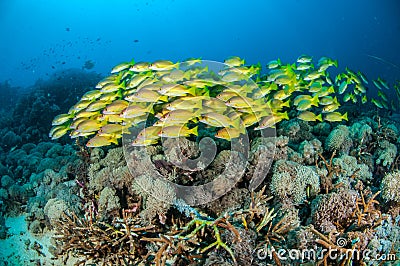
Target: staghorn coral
x=390 y=186
x=339 y=139
x=291 y=181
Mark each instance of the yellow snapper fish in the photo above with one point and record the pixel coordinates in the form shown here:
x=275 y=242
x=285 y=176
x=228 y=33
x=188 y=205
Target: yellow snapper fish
x=112 y=87
x=76 y=134
x=111 y=96
x=136 y=110
x=304 y=59
x=58 y=131
x=97 y=105
x=79 y=106
x=191 y=61
x=331 y=107
x=61 y=119
x=180 y=116
x=116 y=107
x=176 y=90
x=274 y=64
x=304 y=66
x=234 y=61
x=215 y=104
x=185 y=103
x=76 y=122
x=309 y=116
x=326 y=62
x=243 y=102
x=146 y=96
x=325 y=91
x=264 y=90
x=89 y=125
x=313 y=75
x=91 y=95
x=177 y=131
x=271 y=120
x=140 y=67
x=219 y=120
x=335 y=117
x=99 y=141
x=233 y=77
x=176 y=75
x=110 y=118
x=150 y=133
x=87 y=114
x=163 y=65
x=307 y=103
x=230 y=133
x=140 y=142
x=121 y=67
x=276 y=104
x=326 y=100
x=110 y=129
x=138 y=79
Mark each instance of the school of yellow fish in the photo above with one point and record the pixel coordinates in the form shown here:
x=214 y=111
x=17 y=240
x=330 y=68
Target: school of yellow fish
x=175 y=99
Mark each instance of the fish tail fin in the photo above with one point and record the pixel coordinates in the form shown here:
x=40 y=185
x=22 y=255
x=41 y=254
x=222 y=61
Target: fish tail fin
x=192 y=91
x=335 y=63
x=345 y=116
x=319 y=117
x=163 y=98
x=207 y=93
x=286 y=104
x=315 y=100
x=194 y=131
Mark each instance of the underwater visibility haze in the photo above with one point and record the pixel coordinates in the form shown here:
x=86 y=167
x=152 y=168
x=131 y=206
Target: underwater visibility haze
x=199 y=132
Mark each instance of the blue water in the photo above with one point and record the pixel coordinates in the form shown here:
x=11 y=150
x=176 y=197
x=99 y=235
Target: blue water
x=40 y=37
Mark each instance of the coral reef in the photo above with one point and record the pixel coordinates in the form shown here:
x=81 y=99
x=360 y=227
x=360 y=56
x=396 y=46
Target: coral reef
x=122 y=206
x=294 y=183
x=390 y=186
x=339 y=139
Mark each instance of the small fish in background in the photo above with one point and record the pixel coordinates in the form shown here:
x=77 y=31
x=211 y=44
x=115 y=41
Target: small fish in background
x=67 y=29
x=89 y=64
